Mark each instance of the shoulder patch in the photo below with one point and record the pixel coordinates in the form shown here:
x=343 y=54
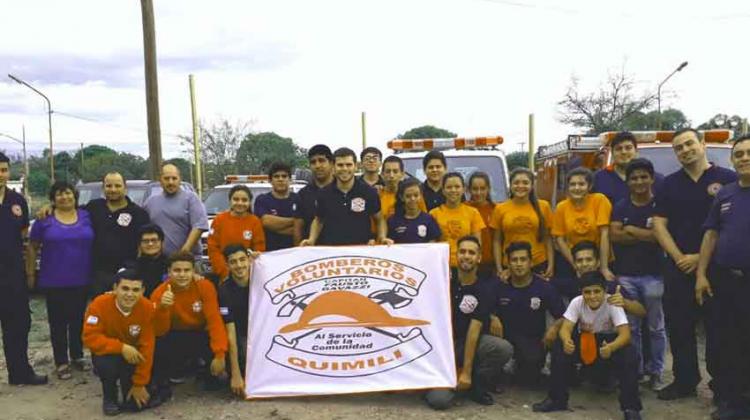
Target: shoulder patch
x=92 y=320
x=224 y=310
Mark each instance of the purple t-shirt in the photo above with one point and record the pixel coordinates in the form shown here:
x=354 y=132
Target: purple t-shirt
x=66 y=251
x=730 y=217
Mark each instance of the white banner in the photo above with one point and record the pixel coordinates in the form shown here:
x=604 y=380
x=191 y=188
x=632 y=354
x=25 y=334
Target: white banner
x=339 y=320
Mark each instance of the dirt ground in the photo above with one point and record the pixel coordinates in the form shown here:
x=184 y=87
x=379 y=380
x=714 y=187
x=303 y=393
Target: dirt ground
x=80 y=398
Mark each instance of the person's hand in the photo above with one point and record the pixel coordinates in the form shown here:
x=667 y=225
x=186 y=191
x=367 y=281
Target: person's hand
x=496 y=327
x=688 y=263
x=237 y=384
x=131 y=354
x=605 y=350
x=607 y=273
x=386 y=241
x=702 y=286
x=307 y=242
x=616 y=299
x=371 y=242
x=549 y=337
x=253 y=254
x=30 y=280
x=464 y=380
x=504 y=274
x=549 y=272
x=139 y=394
x=167 y=299
x=217 y=366
x=568 y=345
x=44 y=211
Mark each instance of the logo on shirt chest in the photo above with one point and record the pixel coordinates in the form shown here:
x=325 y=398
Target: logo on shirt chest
x=581 y=226
x=422 y=231
x=725 y=207
x=358 y=205
x=713 y=189
x=247 y=234
x=535 y=303
x=134 y=330
x=468 y=304
x=197 y=306
x=16 y=210
x=124 y=219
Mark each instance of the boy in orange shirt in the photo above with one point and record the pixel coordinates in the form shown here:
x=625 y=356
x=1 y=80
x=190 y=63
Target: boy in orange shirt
x=119 y=331
x=188 y=313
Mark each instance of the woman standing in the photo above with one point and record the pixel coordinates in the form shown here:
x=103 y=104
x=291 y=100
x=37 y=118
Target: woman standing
x=455 y=218
x=409 y=224
x=238 y=225
x=524 y=218
x=479 y=198
x=65 y=238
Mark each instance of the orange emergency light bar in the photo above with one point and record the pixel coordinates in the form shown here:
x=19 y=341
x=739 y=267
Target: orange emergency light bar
x=231 y=179
x=709 y=136
x=442 y=144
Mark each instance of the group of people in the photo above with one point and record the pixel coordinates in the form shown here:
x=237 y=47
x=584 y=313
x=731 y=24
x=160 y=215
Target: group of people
x=629 y=250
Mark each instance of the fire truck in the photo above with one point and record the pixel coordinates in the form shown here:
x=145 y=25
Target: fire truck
x=553 y=161
x=463 y=155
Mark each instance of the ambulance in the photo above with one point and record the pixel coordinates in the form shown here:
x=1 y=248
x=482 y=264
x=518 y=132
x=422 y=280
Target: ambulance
x=462 y=155
x=552 y=162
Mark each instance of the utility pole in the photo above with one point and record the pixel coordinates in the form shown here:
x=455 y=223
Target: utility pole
x=364 y=130
x=83 y=166
x=152 y=87
x=49 y=121
x=196 y=139
x=531 y=142
x=658 y=93
x=26 y=191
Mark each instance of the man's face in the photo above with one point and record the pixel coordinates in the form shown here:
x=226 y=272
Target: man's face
x=585 y=261
x=392 y=174
x=688 y=148
x=345 y=167
x=371 y=162
x=320 y=167
x=593 y=296
x=520 y=264
x=468 y=255
x=435 y=171
x=623 y=153
x=170 y=179
x=181 y=273
x=127 y=293
x=114 y=187
x=280 y=182
x=150 y=244
x=640 y=181
x=4 y=174
x=740 y=159
x=239 y=267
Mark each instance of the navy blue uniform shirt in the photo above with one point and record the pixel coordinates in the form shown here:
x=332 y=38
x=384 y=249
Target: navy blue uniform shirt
x=473 y=301
x=346 y=215
x=234 y=305
x=306 y=205
x=641 y=258
x=14 y=219
x=432 y=198
x=523 y=310
x=685 y=203
x=730 y=216
x=609 y=183
x=116 y=238
x=421 y=229
x=282 y=207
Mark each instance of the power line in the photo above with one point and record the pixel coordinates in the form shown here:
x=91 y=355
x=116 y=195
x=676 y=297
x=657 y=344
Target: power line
x=101 y=122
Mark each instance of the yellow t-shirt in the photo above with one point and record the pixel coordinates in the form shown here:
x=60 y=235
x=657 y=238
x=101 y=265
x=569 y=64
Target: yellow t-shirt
x=485 y=210
x=577 y=224
x=519 y=223
x=456 y=223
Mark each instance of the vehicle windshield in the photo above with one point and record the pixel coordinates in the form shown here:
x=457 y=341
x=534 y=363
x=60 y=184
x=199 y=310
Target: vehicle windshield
x=665 y=162
x=138 y=194
x=467 y=165
x=87 y=193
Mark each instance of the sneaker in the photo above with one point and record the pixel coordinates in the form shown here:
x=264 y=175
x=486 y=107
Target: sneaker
x=549 y=405
x=177 y=380
x=644 y=379
x=110 y=407
x=656 y=383
x=631 y=415
x=675 y=391
x=81 y=365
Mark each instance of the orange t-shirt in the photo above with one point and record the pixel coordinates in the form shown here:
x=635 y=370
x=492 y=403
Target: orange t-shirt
x=195 y=308
x=485 y=210
x=106 y=330
x=456 y=223
x=227 y=229
x=577 y=224
x=520 y=223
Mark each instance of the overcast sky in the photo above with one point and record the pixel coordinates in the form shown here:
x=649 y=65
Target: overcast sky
x=306 y=69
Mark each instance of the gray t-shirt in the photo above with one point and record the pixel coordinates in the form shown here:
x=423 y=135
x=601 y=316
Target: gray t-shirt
x=177 y=215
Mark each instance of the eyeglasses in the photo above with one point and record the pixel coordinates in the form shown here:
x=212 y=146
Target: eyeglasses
x=150 y=241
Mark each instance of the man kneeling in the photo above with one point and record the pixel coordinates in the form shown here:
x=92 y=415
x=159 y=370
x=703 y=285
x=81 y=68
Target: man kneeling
x=118 y=329
x=603 y=337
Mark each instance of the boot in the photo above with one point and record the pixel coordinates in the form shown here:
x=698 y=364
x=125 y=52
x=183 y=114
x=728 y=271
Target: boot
x=110 y=407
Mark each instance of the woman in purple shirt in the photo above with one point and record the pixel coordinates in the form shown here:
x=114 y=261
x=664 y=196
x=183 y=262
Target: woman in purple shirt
x=65 y=239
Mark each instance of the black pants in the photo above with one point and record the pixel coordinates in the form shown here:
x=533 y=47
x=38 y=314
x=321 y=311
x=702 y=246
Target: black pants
x=65 y=310
x=175 y=348
x=15 y=319
x=623 y=363
x=682 y=313
x=112 y=368
x=529 y=355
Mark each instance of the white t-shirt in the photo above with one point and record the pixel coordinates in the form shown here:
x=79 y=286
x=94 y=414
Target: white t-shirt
x=602 y=320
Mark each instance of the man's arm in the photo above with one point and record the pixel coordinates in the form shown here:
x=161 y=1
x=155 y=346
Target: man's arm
x=553 y=331
x=470 y=349
x=299 y=226
x=604 y=250
x=566 y=331
x=702 y=284
x=619 y=235
x=32 y=249
x=315 y=228
x=382 y=228
x=665 y=239
x=192 y=239
x=641 y=234
x=238 y=383
x=278 y=224
x=622 y=340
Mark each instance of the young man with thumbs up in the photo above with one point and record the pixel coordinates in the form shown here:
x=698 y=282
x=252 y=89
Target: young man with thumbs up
x=602 y=337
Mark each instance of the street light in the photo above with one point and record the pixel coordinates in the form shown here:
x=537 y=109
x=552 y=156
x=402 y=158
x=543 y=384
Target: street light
x=658 y=92
x=22 y=141
x=49 y=116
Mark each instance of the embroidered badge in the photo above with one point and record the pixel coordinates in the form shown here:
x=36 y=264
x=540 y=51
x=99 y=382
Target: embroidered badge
x=197 y=306
x=16 y=210
x=134 y=330
x=422 y=231
x=358 y=205
x=124 y=219
x=247 y=234
x=468 y=304
x=224 y=310
x=92 y=320
x=535 y=303
x=713 y=188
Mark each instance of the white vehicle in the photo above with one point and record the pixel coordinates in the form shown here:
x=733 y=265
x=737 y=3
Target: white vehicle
x=463 y=155
x=16 y=186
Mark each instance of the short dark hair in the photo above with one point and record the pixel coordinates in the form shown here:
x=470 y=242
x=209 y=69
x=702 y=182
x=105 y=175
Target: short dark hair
x=370 y=149
x=320 y=149
x=233 y=248
x=4 y=158
x=585 y=246
x=581 y=171
x=61 y=186
x=342 y=152
x=592 y=278
x=470 y=238
x=279 y=167
x=687 y=130
x=180 y=256
x=128 y=274
x=622 y=137
x=518 y=246
x=453 y=175
x=744 y=138
x=639 y=163
x=124 y=181
x=394 y=158
x=241 y=187
x=432 y=155
x=151 y=228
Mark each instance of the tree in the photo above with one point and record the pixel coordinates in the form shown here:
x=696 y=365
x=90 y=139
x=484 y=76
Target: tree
x=427 y=132
x=671 y=119
x=220 y=143
x=259 y=151
x=517 y=160
x=735 y=122
x=607 y=109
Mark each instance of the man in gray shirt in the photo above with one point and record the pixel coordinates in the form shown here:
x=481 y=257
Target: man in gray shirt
x=179 y=213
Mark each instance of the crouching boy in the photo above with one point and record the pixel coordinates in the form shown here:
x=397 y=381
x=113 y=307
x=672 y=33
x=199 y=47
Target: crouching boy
x=602 y=337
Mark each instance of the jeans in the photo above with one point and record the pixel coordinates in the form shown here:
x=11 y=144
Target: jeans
x=648 y=289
